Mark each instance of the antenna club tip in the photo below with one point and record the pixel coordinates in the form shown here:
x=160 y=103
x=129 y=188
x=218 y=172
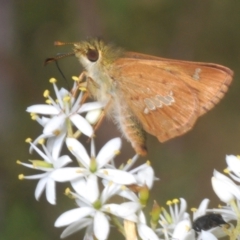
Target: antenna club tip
x=58 y=43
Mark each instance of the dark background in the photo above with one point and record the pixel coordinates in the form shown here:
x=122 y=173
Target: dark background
x=200 y=30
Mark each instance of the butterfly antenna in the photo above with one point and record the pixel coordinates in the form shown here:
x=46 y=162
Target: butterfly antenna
x=58 y=43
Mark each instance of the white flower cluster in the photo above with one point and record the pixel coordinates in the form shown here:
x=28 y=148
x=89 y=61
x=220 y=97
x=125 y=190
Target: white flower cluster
x=95 y=179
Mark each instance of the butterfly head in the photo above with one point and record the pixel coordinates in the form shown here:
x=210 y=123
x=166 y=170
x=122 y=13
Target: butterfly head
x=96 y=52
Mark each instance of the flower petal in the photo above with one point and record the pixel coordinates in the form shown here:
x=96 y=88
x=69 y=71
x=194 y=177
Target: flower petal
x=108 y=151
x=68 y=174
x=51 y=191
x=101 y=226
x=182 y=229
x=146 y=233
x=82 y=124
x=224 y=187
x=43 y=109
x=207 y=236
x=146 y=176
x=86 y=107
x=73 y=216
x=116 y=176
x=76 y=226
x=40 y=187
x=62 y=161
x=55 y=125
x=93 y=116
x=57 y=145
x=201 y=209
x=79 y=151
x=92 y=192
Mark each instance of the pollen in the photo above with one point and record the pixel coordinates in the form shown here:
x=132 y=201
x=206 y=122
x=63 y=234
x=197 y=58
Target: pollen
x=20 y=176
x=117 y=152
x=75 y=78
x=56 y=132
x=70 y=148
x=28 y=140
x=48 y=101
x=66 y=99
x=67 y=191
x=187 y=228
x=169 y=202
x=41 y=141
x=18 y=162
x=129 y=161
x=52 y=80
x=193 y=209
x=175 y=201
x=148 y=162
x=34 y=116
x=46 y=93
x=105 y=172
x=226 y=170
x=108 y=209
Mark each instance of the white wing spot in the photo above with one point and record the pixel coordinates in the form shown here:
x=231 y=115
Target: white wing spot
x=149 y=103
x=158 y=101
x=146 y=111
x=196 y=75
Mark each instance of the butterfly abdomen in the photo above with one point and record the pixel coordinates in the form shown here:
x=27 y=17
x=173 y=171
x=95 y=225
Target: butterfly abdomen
x=131 y=128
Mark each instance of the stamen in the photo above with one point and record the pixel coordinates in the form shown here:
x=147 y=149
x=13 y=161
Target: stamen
x=227 y=171
x=66 y=99
x=129 y=161
x=46 y=93
x=20 y=176
x=148 y=162
x=169 y=202
x=176 y=201
x=117 y=152
x=75 y=78
x=52 y=80
x=41 y=141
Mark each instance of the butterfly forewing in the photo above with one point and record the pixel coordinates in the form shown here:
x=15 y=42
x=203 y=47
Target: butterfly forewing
x=168 y=96
x=209 y=81
x=166 y=108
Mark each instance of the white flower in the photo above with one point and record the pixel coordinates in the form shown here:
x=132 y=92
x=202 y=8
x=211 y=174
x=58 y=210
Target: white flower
x=145 y=232
x=63 y=114
x=144 y=175
x=233 y=163
x=183 y=230
x=224 y=187
x=49 y=164
x=168 y=221
x=201 y=210
x=93 y=211
x=94 y=164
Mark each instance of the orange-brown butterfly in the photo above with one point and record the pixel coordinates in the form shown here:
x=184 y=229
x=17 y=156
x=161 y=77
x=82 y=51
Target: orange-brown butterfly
x=163 y=97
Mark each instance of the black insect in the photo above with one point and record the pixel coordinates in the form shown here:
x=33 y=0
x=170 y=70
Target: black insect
x=208 y=221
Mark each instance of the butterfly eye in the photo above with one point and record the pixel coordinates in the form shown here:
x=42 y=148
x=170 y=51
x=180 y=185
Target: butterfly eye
x=92 y=55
